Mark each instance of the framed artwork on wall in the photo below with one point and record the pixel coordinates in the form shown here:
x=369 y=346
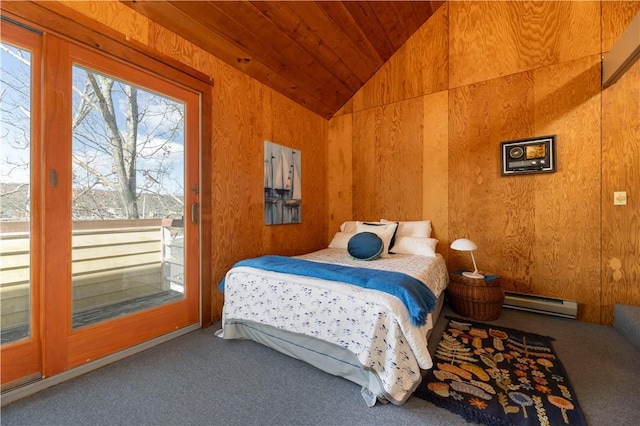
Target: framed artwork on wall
x=282 y=184
x=526 y=156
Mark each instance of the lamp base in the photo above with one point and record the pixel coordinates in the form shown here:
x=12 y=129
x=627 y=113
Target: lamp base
x=472 y=275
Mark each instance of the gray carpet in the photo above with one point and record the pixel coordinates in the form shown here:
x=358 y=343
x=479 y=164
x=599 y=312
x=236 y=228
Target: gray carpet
x=199 y=379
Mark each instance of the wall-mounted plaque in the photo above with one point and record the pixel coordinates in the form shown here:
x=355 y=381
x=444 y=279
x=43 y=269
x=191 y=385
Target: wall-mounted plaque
x=524 y=156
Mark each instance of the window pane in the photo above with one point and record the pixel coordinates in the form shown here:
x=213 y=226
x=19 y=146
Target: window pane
x=127 y=198
x=15 y=187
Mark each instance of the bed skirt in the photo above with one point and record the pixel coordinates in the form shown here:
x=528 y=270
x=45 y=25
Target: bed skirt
x=328 y=357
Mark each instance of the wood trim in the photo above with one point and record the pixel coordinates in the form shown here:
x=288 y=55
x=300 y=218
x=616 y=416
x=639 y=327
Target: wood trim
x=192 y=150
x=96 y=341
x=56 y=251
x=206 y=209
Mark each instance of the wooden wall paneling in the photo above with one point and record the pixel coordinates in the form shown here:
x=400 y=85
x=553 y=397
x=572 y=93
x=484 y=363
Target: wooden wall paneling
x=377 y=91
x=367 y=128
x=435 y=167
x=620 y=165
x=388 y=161
x=496 y=212
x=115 y=15
x=616 y=16
x=180 y=49
x=425 y=58
x=492 y=39
x=398 y=192
x=237 y=173
x=306 y=132
x=339 y=173
x=239 y=134
x=417 y=68
x=568 y=219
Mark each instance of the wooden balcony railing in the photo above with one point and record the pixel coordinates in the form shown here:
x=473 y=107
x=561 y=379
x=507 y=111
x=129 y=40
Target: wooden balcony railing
x=113 y=261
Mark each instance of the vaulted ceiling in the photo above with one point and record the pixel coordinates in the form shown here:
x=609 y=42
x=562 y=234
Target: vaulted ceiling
x=317 y=53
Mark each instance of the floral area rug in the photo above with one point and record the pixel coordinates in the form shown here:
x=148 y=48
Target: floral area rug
x=499 y=376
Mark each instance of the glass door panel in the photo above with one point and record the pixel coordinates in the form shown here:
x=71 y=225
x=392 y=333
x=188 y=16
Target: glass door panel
x=15 y=193
x=19 y=201
x=128 y=198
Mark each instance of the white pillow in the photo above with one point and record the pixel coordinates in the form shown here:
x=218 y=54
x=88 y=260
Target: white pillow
x=341 y=239
x=415 y=245
x=349 y=226
x=384 y=231
x=416 y=228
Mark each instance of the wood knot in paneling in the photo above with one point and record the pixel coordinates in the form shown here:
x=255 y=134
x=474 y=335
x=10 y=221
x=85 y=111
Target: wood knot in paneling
x=616 y=265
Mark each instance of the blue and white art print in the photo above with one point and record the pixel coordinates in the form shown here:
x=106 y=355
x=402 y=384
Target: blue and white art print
x=282 y=184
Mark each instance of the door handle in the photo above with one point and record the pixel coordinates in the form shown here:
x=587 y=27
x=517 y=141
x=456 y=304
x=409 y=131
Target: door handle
x=194 y=212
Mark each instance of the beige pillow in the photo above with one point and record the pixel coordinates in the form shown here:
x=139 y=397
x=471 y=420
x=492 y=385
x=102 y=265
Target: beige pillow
x=384 y=231
x=414 y=228
x=341 y=240
x=415 y=245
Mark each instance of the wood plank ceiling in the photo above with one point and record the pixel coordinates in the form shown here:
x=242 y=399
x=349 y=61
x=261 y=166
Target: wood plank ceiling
x=317 y=53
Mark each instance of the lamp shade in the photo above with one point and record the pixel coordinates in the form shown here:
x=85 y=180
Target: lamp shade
x=463 y=244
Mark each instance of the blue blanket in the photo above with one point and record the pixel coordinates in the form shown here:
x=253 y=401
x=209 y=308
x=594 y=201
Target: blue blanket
x=417 y=297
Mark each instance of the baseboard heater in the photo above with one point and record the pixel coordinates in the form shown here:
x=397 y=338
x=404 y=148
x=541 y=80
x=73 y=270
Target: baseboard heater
x=541 y=304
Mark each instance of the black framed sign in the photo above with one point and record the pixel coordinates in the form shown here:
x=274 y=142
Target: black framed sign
x=524 y=156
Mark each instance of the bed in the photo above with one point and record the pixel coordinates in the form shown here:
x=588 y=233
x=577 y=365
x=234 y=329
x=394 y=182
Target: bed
x=374 y=335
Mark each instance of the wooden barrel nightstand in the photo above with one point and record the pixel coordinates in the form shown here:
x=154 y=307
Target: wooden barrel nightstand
x=479 y=299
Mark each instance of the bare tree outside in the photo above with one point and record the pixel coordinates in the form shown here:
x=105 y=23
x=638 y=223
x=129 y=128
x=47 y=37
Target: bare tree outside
x=128 y=146
x=15 y=132
x=125 y=139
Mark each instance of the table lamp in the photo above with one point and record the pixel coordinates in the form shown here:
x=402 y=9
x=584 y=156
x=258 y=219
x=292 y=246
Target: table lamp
x=463 y=244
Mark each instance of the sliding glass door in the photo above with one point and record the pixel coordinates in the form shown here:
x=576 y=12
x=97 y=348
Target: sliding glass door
x=99 y=239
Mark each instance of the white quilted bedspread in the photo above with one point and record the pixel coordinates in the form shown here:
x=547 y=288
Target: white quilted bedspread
x=373 y=325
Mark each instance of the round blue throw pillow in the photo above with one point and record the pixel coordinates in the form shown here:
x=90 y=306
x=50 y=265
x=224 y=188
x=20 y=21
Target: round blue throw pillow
x=365 y=246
